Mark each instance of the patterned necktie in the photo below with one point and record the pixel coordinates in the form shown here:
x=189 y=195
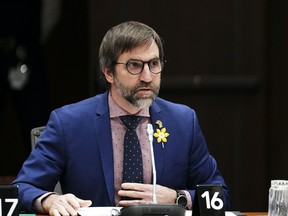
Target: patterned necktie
x=132 y=159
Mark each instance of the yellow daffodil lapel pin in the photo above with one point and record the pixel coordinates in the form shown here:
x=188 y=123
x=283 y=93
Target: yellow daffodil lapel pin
x=161 y=133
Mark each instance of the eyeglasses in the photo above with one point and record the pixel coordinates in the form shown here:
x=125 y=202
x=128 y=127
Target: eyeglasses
x=135 y=67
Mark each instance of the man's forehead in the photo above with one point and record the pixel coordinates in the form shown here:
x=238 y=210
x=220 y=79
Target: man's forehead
x=142 y=51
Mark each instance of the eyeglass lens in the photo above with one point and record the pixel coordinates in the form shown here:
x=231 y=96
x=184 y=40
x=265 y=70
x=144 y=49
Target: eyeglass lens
x=136 y=66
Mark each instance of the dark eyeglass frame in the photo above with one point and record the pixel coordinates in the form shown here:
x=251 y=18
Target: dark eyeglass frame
x=143 y=64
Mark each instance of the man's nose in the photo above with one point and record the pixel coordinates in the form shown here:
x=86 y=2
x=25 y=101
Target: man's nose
x=146 y=75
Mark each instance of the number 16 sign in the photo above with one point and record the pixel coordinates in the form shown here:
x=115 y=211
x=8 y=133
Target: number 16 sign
x=208 y=201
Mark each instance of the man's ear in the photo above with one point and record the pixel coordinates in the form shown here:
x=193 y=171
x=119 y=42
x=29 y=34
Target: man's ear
x=108 y=75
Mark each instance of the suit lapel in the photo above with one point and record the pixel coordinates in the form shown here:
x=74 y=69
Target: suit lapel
x=104 y=141
x=159 y=151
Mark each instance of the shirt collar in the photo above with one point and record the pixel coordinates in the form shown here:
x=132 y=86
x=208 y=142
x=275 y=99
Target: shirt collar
x=116 y=110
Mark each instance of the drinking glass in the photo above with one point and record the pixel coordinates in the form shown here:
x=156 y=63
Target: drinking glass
x=278 y=198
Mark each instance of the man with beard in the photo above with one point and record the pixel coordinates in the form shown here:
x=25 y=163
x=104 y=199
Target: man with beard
x=82 y=145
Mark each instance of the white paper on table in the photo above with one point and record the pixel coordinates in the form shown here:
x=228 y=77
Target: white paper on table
x=107 y=211
x=98 y=211
x=227 y=213
x=230 y=214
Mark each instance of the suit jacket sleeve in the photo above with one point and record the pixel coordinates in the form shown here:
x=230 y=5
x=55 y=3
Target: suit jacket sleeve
x=76 y=149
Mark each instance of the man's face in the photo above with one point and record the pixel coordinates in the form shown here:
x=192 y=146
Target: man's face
x=139 y=90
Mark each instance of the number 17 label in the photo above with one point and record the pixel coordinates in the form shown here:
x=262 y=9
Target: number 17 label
x=9 y=200
x=11 y=210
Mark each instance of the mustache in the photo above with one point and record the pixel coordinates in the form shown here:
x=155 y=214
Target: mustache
x=144 y=84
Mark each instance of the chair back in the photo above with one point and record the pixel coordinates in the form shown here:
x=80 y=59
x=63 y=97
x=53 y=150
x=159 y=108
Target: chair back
x=35 y=134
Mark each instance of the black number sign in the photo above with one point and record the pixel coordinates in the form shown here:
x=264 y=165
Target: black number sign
x=208 y=201
x=9 y=200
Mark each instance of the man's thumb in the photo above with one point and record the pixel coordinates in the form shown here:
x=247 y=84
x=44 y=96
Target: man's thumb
x=85 y=203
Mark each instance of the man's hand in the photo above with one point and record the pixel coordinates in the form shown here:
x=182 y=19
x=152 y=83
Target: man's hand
x=143 y=194
x=63 y=205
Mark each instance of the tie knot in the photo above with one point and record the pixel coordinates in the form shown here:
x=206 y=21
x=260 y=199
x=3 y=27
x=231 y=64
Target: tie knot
x=131 y=121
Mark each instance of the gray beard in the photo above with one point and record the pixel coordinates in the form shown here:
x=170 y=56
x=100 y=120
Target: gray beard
x=130 y=95
x=142 y=103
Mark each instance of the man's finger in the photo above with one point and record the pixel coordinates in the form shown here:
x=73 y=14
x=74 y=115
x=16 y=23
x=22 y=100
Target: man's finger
x=84 y=203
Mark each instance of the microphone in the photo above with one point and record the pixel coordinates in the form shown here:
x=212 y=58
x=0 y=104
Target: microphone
x=150 y=132
x=153 y=209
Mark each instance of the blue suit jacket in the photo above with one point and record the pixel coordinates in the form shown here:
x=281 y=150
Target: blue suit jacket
x=76 y=148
